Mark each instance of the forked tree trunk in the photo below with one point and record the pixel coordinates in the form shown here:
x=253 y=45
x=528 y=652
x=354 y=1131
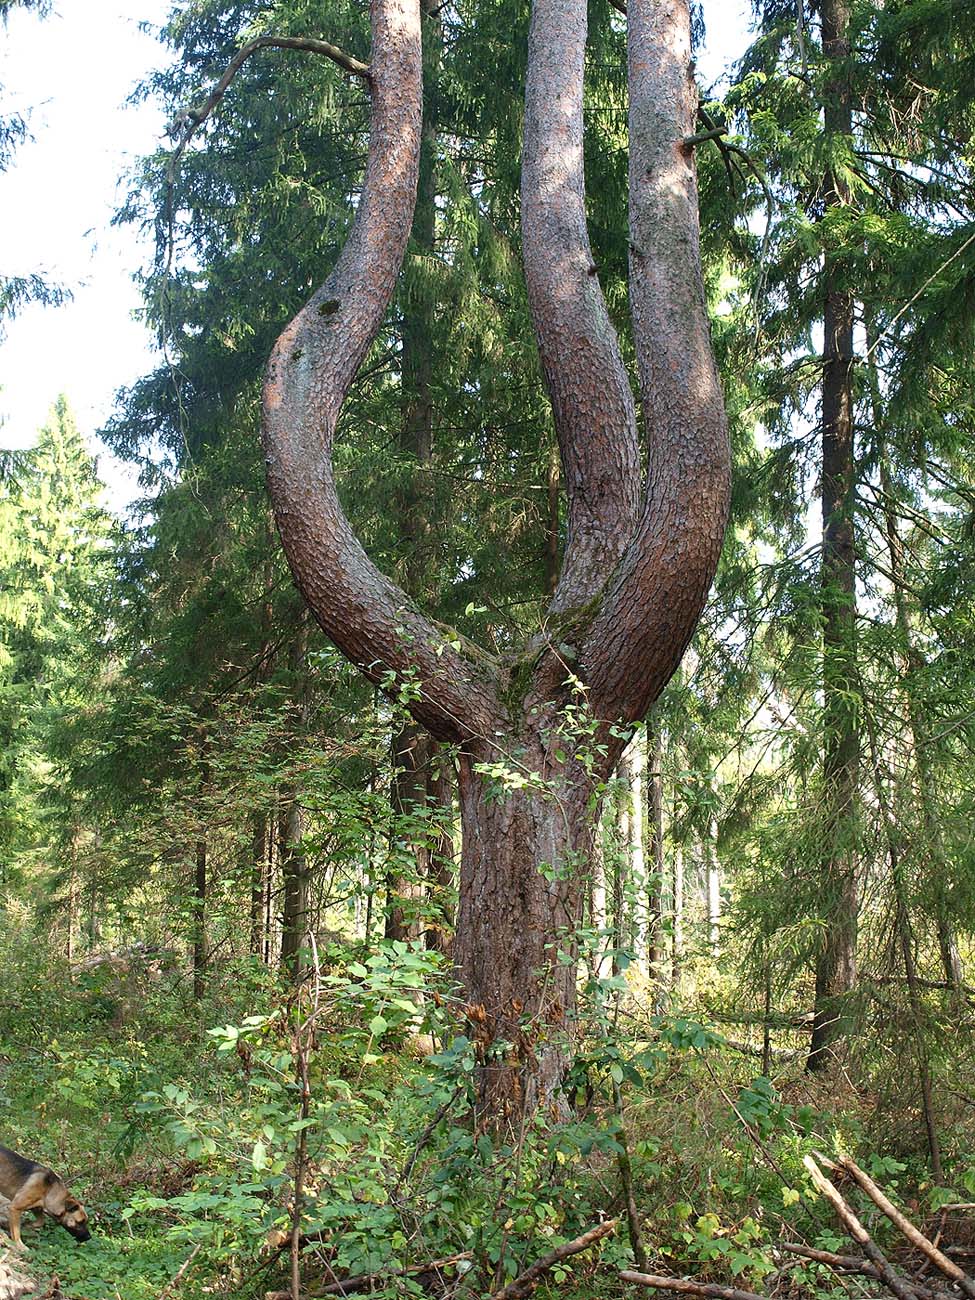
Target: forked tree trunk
x=638 y=561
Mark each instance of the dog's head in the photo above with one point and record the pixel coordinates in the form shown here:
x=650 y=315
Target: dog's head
x=74 y=1220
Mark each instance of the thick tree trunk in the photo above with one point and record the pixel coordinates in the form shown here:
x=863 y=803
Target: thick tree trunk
x=637 y=564
x=521 y=893
x=836 y=963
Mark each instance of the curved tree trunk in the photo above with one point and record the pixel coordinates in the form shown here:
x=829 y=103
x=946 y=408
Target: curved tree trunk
x=536 y=738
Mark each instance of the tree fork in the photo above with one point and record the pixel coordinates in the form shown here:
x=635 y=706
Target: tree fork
x=637 y=565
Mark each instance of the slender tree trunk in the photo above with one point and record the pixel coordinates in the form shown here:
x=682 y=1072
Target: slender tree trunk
x=269 y=879
x=677 y=950
x=409 y=856
x=836 y=963
x=713 y=885
x=199 y=918
x=621 y=842
x=905 y=938
x=440 y=922
x=412 y=747
x=911 y=665
x=258 y=871
x=294 y=880
x=295 y=916
x=598 y=912
x=655 y=852
x=638 y=857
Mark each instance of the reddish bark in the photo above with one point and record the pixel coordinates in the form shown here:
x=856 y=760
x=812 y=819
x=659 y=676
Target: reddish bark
x=636 y=570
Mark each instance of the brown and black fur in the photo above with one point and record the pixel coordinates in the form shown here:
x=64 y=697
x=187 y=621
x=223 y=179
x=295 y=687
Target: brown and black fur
x=30 y=1186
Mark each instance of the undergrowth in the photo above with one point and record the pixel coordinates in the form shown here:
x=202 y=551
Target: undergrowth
x=179 y=1126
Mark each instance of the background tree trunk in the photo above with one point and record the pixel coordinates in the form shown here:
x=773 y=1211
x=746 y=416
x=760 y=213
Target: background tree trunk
x=836 y=963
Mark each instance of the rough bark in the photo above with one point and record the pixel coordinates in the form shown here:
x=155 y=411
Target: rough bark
x=836 y=962
x=635 y=571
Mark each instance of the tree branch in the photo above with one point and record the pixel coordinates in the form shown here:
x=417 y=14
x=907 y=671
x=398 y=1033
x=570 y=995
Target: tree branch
x=903 y=1224
x=188 y=121
x=311 y=368
x=891 y=1279
x=592 y=404
x=526 y=1282
x=684 y=1286
x=656 y=596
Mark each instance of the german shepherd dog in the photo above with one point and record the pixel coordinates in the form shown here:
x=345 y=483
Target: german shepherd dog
x=30 y=1186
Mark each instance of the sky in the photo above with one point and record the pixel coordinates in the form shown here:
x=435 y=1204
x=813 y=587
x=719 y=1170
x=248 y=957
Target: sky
x=72 y=74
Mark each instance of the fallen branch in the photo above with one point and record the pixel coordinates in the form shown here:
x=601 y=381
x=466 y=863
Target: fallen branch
x=180 y=1273
x=686 y=1287
x=349 y=1285
x=890 y=1278
x=917 y=1238
x=526 y=1283
x=851 y=1264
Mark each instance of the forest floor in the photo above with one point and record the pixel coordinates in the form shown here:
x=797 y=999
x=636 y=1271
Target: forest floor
x=176 y=1124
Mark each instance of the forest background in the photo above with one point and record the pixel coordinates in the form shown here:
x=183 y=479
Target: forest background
x=208 y=817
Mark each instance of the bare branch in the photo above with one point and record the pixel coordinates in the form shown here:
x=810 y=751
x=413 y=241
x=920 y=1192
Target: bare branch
x=188 y=121
x=526 y=1283
x=891 y=1279
x=686 y=1287
x=905 y=1226
x=851 y=1264
x=366 y=1281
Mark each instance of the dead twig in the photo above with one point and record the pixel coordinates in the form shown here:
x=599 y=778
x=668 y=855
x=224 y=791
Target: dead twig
x=850 y=1264
x=190 y=119
x=180 y=1273
x=526 y=1283
x=686 y=1287
x=917 y=1238
x=891 y=1279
